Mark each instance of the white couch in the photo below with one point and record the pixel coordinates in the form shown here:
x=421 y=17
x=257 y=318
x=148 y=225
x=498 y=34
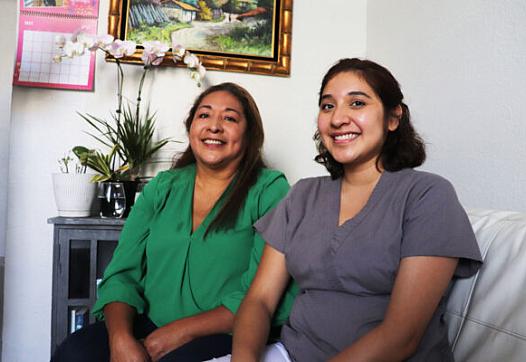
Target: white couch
x=487 y=312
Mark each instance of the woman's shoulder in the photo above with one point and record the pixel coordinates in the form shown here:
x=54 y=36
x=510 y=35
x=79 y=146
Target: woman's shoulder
x=164 y=180
x=311 y=183
x=417 y=183
x=270 y=180
x=268 y=176
x=270 y=173
x=421 y=178
x=310 y=190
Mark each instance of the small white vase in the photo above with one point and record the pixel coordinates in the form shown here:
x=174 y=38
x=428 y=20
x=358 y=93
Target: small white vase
x=74 y=194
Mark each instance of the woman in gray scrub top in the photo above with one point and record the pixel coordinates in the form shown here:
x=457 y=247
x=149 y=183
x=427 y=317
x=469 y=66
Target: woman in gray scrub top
x=373 y=247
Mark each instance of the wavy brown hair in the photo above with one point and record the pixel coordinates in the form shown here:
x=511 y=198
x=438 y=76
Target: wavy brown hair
x=403 y=147
x=252 y=161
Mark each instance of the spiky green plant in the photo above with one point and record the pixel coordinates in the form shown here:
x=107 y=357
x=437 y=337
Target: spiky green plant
x=101 y=163
x=131 y=140
x=128 y=134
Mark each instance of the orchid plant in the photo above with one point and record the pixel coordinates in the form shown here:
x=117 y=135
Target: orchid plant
x=66 y=165
x=129 y=135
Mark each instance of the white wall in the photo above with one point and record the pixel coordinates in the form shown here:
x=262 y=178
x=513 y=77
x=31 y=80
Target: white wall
x=7 y=59
x=44 y=126
x=462 y=66
x=8 y=43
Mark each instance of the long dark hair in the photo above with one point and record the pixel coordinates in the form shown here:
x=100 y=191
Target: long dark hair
x=251 y=163
x=403 y=147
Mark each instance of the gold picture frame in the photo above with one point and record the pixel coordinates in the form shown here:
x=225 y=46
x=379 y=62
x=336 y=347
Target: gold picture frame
x=275 y=64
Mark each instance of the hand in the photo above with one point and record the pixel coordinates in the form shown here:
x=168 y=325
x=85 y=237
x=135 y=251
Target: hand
x=164 y=340
x=127 y=349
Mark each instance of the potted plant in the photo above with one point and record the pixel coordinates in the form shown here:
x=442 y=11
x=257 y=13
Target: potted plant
x=74 y=192
x=128 y=134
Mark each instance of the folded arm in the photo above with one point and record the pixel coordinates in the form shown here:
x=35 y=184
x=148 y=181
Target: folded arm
x=419 y=286
x=177 y=333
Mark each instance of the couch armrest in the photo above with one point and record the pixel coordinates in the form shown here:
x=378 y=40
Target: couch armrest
x=486 y=313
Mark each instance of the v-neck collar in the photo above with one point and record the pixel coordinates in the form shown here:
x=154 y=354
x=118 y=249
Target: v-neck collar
x=200 y=230
x=336 y=186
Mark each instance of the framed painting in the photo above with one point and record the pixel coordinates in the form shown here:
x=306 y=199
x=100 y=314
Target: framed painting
x=247 y=36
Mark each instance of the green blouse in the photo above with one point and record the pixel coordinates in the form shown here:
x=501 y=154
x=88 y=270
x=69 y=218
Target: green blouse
x=164 y=270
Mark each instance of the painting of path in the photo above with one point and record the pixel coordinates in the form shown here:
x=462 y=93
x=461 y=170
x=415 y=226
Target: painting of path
x=42 y=3
x=241 y=27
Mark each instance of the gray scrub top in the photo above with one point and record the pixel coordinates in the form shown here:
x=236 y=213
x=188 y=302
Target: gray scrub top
x=346 y=273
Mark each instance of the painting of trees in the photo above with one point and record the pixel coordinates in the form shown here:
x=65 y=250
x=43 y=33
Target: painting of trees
x=243 y=27
x=205 y=13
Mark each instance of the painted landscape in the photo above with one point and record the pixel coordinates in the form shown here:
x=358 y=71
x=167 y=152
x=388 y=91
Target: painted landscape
x=42 y=3
x=243 y=27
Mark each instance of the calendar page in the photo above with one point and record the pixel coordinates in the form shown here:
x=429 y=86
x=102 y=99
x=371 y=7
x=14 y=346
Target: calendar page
x=41 y=21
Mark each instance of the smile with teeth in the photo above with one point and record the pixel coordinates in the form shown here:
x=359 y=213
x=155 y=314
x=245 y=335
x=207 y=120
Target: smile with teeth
x=210 y=141
x=345 y=137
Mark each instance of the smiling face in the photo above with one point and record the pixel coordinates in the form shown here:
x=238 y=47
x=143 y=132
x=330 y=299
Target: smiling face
x=351 y=121
x=217 y=132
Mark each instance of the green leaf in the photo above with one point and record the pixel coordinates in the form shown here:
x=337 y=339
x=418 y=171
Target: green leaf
x=129 y=138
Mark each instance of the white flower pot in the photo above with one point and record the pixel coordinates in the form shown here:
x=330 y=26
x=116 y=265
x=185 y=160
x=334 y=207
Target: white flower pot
x=75 y=195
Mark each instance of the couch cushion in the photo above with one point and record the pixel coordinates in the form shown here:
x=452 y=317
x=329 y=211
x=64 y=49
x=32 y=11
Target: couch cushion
x=487 y=312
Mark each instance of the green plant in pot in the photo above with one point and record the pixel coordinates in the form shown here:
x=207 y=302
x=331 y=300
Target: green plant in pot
x=128 y=135
x=102 y=163
x=130 y=143
x=73 y=190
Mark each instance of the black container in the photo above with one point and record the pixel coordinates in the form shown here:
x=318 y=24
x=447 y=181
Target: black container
x=116 y=198
x=130 y=189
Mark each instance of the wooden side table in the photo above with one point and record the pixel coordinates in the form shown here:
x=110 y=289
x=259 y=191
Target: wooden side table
x=82 y=248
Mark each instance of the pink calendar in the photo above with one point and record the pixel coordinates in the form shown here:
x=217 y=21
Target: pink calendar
x=40 y=23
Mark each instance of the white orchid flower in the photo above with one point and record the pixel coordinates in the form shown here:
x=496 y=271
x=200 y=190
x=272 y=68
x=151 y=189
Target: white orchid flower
x=103 y=42
x=73 y=49
x=75 y=35
x=57 y=58
x=120 y=48
x=201 y=70
x=191 y=60
x=60 y=41
x=86 y=40
x=178 y=52
x=194 y=75
x=198 y=70
x=154 y=52
x=158 y=47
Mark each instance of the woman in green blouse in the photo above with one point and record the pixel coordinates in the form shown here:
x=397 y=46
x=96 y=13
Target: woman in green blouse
x=188 y=251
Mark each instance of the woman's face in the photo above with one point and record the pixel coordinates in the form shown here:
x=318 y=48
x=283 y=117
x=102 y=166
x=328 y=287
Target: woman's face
x=351 y=121
x=217 y=131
